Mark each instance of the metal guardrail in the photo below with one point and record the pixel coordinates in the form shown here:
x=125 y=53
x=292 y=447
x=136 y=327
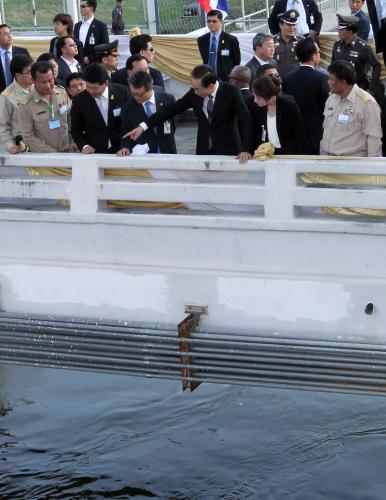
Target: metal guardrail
x=155 y=351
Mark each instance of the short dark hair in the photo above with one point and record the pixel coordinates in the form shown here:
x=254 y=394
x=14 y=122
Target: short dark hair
x=260 y=71
x=204 y=73
x=92 y=3
x=62 y=42
x=214 y=13
x=305 y=49
x=343 y=71
x=47 y=56
x=19 y=63
x=266 y=87
x=73 y=76
x=67 y=20
x=134 y=58
x=5 y=26
x=141 y=79
x=260 y=38
x=42 y=67
x=139 y=42
x=95 y=73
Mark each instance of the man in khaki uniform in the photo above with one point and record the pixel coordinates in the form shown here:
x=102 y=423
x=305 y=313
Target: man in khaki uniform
x=10 y=99
x=352 y=121
x=46 y=114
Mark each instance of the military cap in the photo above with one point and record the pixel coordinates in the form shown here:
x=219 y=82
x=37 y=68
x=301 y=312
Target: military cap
x=289 y=17
x=107 y=49
x=345 y=22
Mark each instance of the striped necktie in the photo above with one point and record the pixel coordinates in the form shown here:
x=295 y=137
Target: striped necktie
x=103 y=108
x=213 y=54
x=7 y=71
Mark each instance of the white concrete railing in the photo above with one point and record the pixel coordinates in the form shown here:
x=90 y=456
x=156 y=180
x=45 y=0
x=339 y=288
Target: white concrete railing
x=273 y=184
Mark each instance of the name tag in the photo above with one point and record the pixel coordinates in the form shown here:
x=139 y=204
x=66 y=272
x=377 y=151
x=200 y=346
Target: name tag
x=63 y=109
x=225 y=52
x=52 y=124
x=167 y=127
x=117 y=112
x=343 y=118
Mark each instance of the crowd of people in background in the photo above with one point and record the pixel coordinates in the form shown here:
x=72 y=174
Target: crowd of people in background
x=75 y=98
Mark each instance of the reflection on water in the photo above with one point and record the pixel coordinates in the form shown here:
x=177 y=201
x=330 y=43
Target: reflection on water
x=83 y=435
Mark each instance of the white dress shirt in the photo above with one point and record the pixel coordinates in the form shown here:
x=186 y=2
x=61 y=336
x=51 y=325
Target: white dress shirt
x=301 y=26
x=73 y=65
x=84 y=27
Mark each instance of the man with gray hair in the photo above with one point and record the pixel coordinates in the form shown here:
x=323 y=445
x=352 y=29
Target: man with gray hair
x=264 y=49
x=240 y=76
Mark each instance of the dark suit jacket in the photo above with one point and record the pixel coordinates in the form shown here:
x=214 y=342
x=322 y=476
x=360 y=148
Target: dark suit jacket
x=120 y=76
x=101 y=35
x=289 y=124
x=312 y=14
x=246 y=94
x=253 y=64
x=225 y=63
x=363 y=25
x=310 y=90
x=133 y=114
x=88 y=126
x=229 y=107
x=64 y=71
x=79 y=45
x=15 y=50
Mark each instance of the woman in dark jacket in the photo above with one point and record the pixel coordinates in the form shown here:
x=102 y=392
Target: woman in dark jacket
x=277 y=118
x=64 y=26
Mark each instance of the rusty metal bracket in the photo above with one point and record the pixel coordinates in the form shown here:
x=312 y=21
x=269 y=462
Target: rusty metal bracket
x=185 y=329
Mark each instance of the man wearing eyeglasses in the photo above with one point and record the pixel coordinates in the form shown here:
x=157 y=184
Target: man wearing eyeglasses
x=90 y=31
x=310 y=89
x=67 y=63
x=141 y=44
x=218 y=49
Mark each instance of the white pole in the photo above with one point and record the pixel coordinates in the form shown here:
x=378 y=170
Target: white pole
x=2 y=15
x=151 y=16
x=73 y=10
x=243 y=15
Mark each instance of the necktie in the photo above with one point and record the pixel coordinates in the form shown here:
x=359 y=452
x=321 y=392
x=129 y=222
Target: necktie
x=102 y=108
x=213 y=54
x=209 y=108
x=7 y=71
x=149 y=112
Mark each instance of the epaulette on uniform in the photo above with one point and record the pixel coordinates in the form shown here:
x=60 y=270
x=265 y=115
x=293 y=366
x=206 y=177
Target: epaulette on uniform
x=6 y=92
x=365 y=96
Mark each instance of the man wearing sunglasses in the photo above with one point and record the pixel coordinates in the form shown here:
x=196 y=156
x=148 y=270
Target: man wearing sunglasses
x=218 y=49
x=90 y=31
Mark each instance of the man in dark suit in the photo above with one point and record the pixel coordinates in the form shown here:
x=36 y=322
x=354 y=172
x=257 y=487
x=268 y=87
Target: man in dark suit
x=141 y=44
x=218 y=107
x=143 y=104
x=7 y=51
x=218 y=49
x=96 y=113
x=309 y=21
x=310 y=90
x=67 y=61
x=90 y=31
x=264 y=49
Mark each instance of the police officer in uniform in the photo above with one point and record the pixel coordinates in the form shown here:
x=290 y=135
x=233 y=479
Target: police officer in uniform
x=108 y=56
x=356 y=51
x=352 y=121
x=285 y=42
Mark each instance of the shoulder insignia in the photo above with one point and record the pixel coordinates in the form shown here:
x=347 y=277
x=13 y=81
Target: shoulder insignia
x=364 y=96
x=6 y=92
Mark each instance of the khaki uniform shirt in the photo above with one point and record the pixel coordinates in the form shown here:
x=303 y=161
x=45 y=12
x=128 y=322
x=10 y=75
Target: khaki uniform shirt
x=37 y=122
x=352 y=126
x=10 y=99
